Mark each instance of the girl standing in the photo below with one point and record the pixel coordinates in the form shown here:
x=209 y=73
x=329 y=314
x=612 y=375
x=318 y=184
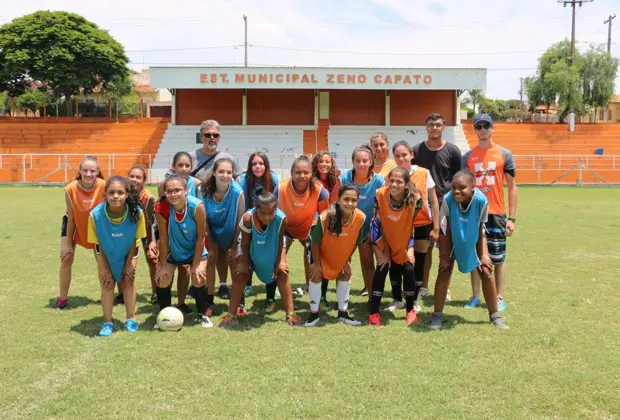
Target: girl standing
x=324 y=169
x=258 y=175
x=381 y=149
x=262 y=249
x=137 y=178
x=301 y=198
x=182 y=165
x=395 y=209
x=224 y=205
x=115 y=228
x=334 y=237
x=426 y=223
x=82 y=195
x=181 y=220
x=363 y=177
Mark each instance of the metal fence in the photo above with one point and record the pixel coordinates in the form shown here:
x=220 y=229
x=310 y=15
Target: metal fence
x=42 y=169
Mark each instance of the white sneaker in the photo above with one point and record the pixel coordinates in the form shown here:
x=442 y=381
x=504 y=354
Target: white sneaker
x=205 y=322
x=448 y=297
x=416 y=306
x=396 y=304
x=346 y=319
x=423 y=293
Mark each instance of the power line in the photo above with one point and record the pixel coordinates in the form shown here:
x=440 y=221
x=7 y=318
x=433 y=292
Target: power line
x=185 y=49
x=393 y=54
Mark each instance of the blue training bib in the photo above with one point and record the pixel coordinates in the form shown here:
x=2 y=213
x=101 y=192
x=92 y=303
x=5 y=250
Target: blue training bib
x=182 y=235
x=222 y=216
x=264 y=248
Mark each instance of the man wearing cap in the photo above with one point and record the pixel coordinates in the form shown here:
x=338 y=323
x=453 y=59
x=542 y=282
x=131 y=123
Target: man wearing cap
x=491 y=164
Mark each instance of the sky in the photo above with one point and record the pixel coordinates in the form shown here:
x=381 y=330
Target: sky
x=506 y=37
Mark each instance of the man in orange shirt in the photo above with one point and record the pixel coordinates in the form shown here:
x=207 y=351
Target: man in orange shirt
x=491 y=164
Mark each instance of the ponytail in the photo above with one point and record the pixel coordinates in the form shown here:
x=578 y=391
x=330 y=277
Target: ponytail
x=410 y=188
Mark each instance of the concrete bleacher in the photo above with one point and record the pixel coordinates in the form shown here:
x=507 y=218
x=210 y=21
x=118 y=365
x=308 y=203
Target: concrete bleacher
x=544 y=152
x=343 y=139
x=280 y=143
x=51 y=152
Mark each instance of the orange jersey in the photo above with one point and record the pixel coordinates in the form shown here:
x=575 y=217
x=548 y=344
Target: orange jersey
x=419 y=177
x=490 y=167
x=336 y=250
x=396 y=226
x=385 y=169
x=83 y=202
x=301 y=209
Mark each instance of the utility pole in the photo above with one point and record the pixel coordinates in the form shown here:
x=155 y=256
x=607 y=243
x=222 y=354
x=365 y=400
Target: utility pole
x=608 y=21
x=245 y=21
x=573 y=3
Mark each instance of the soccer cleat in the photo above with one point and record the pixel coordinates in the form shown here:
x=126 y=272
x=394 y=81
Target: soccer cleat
x=396 y=304
x=416 y=306
x=270 y=306
x=248 y=291
x=448 y=297
x=205 y=321
x=374 y=319
x=501 y=305
x=61 y=303
x=209 y=309
x=473 y=302
x=312 y=320
x=423 y=293
x=412 y=318
x=223 y=292
x=184 y=308
x=154 y=299
x=119 y=299
x=343 y=316
x=324 y=305
x=227 y=321
x=131 y=325
x=241 y=312
x=293 y=320
x=496 y=320
x=436 y=321
x=106 y=329
x=191 y=292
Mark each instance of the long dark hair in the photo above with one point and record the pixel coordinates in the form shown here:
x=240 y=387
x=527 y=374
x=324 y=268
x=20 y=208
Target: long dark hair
x=406 y=145
x=133 y=199
x=366 y=149
x=250 y=179
x=303 y=159
x=179 y=155
x=334 y=214
x=410 y=188
x=141 y=169
x=208 y=186
x=332 y=178
x=91 y=158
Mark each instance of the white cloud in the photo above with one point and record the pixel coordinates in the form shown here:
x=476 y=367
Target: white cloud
x=436 y=33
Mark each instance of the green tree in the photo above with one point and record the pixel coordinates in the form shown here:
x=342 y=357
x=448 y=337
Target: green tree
x=30 y=101
x=475 y=96
x=118 y=87
x=598 y=72
x=62 y=50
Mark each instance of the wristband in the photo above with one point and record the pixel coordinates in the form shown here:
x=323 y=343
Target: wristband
x=512 y=219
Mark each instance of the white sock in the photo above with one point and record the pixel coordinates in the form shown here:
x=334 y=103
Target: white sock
x=343 y=287
x=314 y=295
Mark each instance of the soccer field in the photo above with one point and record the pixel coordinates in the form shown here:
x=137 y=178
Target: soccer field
x=560 y=359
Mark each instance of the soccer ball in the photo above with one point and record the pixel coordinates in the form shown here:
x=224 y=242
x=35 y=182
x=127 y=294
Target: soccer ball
x=170 y=319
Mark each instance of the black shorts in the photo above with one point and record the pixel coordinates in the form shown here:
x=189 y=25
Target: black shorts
x=422 y=233
x=496 y=237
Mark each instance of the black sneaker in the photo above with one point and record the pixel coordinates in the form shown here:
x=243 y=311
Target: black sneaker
x=312 y=320
x=223 y=292
x=184 y=308
x=191 y=292
x=346 y=319
x=154 y=299
x=119 y=299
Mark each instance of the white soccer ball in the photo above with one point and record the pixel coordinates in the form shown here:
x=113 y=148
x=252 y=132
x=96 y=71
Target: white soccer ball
x=170 y=319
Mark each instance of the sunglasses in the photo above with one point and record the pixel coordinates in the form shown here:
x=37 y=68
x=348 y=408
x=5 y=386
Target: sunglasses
x=486 y=126
x=211 y=135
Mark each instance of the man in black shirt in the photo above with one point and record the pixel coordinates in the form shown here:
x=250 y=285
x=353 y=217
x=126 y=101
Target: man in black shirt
x=443 y=160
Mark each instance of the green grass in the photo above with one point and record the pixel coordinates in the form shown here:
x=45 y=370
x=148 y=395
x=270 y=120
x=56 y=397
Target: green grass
x=560 y=359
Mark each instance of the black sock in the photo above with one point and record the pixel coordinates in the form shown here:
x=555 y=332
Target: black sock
x=242 y=301
x=164 y=297
x=420 y=262
x=396 y=280
x=209 y=300
x=378 y=285
x=409 y=285
x=201 y=299
x=324 y=285
x=250 y=277
x=270 y=288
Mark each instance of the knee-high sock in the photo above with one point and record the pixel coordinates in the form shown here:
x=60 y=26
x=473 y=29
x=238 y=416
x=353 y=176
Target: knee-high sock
x=396 y=280
x=164 y=297
x=378 y=285
x=250 y=276
x=409 y=285
x=314 y=294
x=270 y=289
x=324 y=285
x=343 y=288
x=420 y=262
x=201 y=299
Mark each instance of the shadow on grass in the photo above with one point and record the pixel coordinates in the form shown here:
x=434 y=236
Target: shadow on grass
x=75 y=302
